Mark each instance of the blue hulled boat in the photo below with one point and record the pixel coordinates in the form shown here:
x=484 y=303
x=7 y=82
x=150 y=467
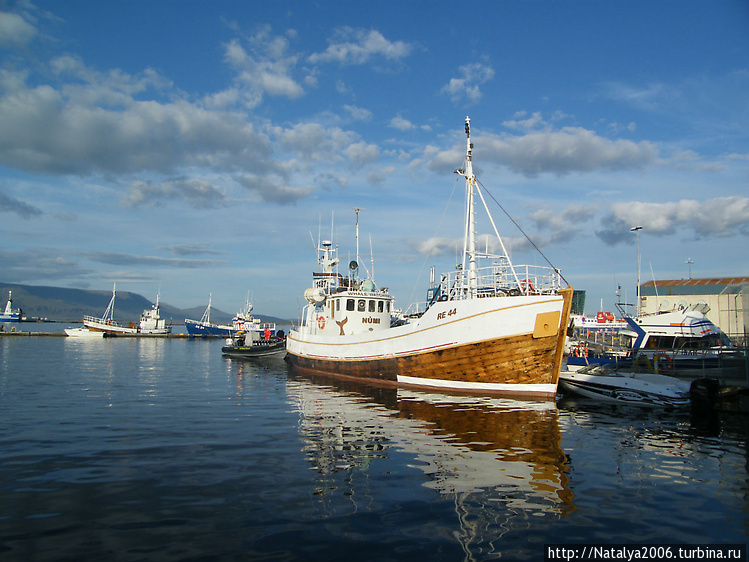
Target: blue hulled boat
x=204 y=327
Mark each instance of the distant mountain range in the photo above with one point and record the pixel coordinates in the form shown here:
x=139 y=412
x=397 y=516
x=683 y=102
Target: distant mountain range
x=71 y=305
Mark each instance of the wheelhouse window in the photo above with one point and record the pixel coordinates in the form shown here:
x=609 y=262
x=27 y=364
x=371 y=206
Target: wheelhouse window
x=361 y=305
x=380 y=305
x=350 y=305
x=371 y=306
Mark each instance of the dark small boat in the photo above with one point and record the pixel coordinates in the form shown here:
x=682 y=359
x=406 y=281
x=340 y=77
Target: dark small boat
x=255 y=349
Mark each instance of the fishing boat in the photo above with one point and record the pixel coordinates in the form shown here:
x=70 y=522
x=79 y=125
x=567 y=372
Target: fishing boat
x=489 y=326
x=150 y=323
x=8 y=315
x=204 y=327
x=627 y=386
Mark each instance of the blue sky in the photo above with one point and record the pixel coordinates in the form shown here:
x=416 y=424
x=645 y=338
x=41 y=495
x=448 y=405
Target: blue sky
x=197 y=147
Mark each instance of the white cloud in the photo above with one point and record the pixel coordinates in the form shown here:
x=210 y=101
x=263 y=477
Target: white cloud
x=274 y=191
x=646 y=98
x=401 y=124
x=564 y=225
x=264 y=67
x=15 y=31
x=196 y=193
x=711 y=218
x=467 y=85
x=358 y=113
x=357 y=46
x=571 y=149
x=361 y=153
x=95 y=125
x=528 y=124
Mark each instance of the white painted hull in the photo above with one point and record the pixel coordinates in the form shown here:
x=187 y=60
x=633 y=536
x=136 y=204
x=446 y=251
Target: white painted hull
x=82 y=333
x=447 y=347
x=640 y=389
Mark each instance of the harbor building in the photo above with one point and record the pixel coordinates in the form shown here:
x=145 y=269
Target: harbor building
x=725 y=299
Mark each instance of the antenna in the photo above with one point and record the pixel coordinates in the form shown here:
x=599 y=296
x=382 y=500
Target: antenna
x=371 y=255
x=356 y=210
x=689 y=262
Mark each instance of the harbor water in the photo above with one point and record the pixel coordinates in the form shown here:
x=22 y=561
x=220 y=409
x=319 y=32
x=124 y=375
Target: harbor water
x=163 y=449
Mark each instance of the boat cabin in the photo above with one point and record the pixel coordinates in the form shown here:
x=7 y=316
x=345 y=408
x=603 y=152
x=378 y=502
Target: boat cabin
x=350 y=312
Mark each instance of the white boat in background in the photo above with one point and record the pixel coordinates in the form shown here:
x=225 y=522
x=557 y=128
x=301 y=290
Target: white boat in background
x=681 y=342
x=493 y=328
x=7 y=315
x=627 y=387
x=245 y=322
x=83 y=333
x=150 y=323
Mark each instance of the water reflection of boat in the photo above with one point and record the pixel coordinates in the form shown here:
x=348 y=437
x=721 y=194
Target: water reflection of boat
x=480 y=452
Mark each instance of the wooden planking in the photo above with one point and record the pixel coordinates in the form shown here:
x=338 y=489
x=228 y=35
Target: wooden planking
x=516 y=360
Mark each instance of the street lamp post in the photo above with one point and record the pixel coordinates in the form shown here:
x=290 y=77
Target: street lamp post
x=689 y=262
x=637 y=230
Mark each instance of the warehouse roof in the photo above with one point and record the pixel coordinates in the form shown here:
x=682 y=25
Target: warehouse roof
x=711 y=286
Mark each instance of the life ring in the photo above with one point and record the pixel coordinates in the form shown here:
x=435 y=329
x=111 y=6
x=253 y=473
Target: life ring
x=321 y=322
x=665 y=363
x=526 y=283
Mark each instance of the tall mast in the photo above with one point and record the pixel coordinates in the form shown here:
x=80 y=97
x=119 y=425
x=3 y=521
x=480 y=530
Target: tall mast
x=470 y=242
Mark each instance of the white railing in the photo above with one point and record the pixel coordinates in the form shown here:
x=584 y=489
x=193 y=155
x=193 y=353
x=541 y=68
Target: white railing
x=502 y=280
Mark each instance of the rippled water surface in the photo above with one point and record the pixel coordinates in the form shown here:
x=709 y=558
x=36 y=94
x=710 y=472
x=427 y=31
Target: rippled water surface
x=155 y=449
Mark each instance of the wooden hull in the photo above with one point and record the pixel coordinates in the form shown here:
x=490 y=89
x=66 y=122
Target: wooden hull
x=508 y=347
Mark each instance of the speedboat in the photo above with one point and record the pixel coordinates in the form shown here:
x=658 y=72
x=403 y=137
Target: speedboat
x=627 y=387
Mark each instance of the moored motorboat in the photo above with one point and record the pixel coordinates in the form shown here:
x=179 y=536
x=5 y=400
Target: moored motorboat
x=498 y=328
x=254 y=348
x=82 y=333
x=627 y=387
x=150 y=323
x=255 y=343
x=681 y=342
